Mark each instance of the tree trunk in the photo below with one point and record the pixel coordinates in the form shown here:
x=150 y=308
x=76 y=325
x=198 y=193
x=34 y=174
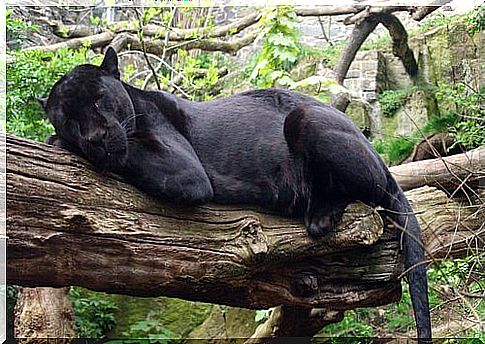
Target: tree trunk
x=98 y=232
x=70 y=226
x=44 y=315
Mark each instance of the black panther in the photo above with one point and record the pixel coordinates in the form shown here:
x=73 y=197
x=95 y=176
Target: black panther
x=275 y=148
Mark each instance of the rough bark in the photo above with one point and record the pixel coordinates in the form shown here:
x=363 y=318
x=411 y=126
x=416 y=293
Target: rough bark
x=290 y=321
x=202 y=36
x=75 y=227
x=44 y=315
x=104 y=235
x=155 y=46
x=174 y=34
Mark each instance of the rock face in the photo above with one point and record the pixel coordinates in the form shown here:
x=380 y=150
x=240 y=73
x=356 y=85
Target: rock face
x=450 y=54
x=447 y=54
x=413 y=115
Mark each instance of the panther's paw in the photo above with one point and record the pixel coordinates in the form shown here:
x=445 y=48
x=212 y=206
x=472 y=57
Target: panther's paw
x=318 y=224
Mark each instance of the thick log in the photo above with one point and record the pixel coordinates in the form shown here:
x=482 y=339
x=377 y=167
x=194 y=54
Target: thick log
x=448 y=173
x=156 y=46
x=203 y=38
x=74 y=227
x=176 y=34
x=68 y=225
x=94 y=41
x=173 y=34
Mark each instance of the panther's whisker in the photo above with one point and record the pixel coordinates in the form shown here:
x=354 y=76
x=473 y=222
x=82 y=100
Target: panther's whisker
x=126 y=120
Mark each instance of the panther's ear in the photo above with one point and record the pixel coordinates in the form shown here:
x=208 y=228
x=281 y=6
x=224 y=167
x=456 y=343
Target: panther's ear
x=42 y=102
x=110 y=63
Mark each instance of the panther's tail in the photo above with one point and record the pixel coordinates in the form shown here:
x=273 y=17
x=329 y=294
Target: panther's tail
x=402 y=215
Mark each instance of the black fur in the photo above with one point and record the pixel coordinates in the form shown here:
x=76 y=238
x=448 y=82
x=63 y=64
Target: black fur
x=275 y=148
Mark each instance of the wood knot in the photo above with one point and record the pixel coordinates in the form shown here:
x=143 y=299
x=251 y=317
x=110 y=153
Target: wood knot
x=77 y=220
x=256 y=239
x=305 y=285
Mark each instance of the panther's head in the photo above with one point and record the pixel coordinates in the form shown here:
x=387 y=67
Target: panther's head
x=93 y=113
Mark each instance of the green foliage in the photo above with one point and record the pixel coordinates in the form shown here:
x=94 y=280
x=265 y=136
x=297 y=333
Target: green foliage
x=11 y=298
x=31 y=75
x=393 y=100
x=466 y=106
x=354 y=324
x=475 y=20
x=329 y=55
x=150 y=329
x=461 y=115
x=395 y=149
x=261 y=315
x=94 y=315
x=280 y=48
x=382 y=42
x=201 y=72
x=436 y=20
x=17 y=30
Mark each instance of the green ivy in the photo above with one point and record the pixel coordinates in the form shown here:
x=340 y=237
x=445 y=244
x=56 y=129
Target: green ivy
x=465 y=105
x=393 y=100
x=461 y=115
x=279 y=50
x=475 y=20
x=17 y=30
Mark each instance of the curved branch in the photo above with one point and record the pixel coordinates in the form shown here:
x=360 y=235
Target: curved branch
x=400 y=47
x=359 y=34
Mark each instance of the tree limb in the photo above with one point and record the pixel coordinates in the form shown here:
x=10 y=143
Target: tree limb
x=174 y=34
x=44 y=315
x=291 y=321
x=400 y=47
x=446 y=173
x=359 y=34
x=70 y=226
x=74 y=227
x=94 y=41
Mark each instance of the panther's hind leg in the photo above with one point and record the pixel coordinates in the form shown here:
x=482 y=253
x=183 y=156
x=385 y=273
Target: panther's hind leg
x=340 y=163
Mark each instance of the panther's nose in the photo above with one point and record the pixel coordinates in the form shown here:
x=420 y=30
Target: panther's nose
x=97 y=137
